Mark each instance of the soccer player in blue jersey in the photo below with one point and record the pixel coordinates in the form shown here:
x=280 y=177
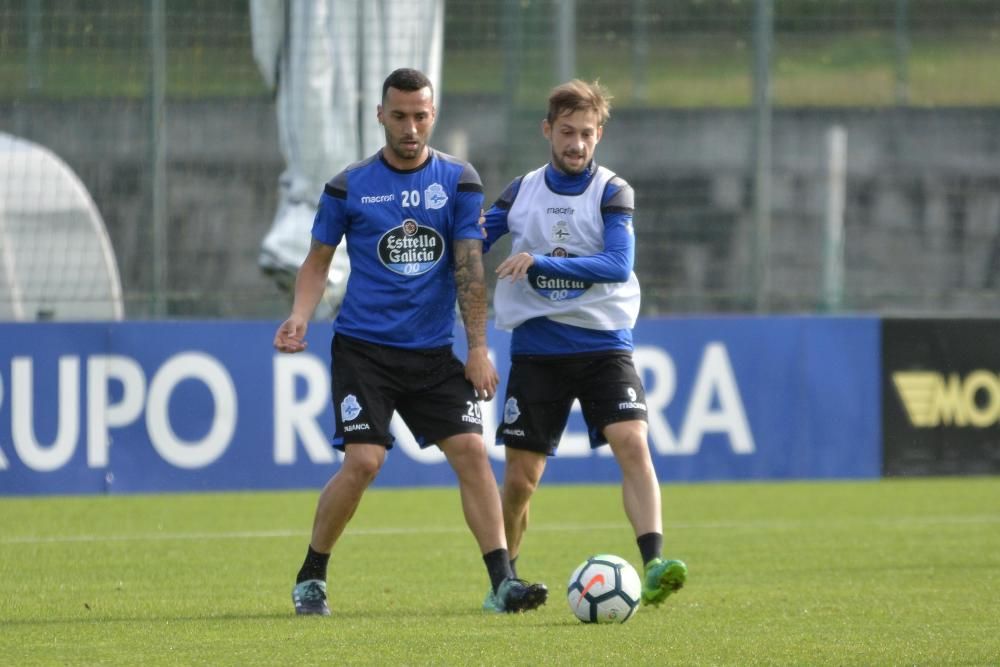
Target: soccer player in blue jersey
x=569 y=294
x=409 y=215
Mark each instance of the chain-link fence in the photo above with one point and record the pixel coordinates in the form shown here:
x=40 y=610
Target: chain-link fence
x=787 y=155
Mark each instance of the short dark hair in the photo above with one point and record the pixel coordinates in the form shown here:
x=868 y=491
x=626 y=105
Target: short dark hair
x=407 y=79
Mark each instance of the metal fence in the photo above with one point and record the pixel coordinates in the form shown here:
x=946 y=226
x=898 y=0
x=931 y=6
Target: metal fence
x=787 y=155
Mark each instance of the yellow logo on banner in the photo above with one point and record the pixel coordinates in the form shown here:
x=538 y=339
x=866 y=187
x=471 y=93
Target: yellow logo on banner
x=931 y=399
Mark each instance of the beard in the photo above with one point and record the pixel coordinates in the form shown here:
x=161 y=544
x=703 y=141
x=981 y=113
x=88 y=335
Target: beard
x=562 y=164
x=407 y=151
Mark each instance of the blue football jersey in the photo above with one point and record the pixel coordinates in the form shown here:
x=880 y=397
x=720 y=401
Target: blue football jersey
x=399 y=227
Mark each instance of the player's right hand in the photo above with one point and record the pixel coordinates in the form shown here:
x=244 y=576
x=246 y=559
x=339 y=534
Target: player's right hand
x=516 y=266
x=291 y=335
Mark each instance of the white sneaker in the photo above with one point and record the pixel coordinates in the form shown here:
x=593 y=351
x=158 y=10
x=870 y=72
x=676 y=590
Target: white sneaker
x=286 y=246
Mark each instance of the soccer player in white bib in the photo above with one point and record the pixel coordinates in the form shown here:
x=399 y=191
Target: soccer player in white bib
x=409 y=215
x=568 y=293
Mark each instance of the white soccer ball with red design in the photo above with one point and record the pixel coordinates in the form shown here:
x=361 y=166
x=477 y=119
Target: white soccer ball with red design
x=604 y=589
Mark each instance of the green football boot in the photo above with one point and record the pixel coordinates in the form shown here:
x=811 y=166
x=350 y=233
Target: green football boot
x=662 y=578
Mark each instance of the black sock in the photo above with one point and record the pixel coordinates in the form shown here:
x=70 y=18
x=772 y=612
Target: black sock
x=498 y=565
x=314 y=566
x=513 y=566
x=650 y=546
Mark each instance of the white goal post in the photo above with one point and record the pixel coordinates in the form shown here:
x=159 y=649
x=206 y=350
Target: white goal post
x=56 y=260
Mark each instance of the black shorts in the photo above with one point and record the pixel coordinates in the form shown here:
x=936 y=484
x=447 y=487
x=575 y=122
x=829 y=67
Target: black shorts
x=426 y=387
x=540 y=393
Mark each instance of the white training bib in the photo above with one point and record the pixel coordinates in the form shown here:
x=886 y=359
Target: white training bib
x=543 y=222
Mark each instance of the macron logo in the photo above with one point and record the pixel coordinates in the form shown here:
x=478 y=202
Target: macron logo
x=377 y=199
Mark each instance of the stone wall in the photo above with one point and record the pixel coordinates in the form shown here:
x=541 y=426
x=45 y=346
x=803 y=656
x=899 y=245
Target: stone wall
x=922 y=214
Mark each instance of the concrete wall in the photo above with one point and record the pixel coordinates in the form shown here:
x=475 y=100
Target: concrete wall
x=922 y=215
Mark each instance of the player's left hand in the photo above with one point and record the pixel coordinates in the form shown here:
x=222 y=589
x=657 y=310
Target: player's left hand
x=479 y=370
x=516 y=266
x=482 y=222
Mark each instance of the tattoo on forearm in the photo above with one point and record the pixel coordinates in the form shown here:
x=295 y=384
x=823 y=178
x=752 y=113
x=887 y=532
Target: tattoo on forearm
x=470 y=279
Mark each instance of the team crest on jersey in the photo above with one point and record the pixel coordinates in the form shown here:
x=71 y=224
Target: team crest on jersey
x=434 y=196
x=560 y=232
x=350 y=408
x=510 y=411
x=410 y=249
x=558 y=289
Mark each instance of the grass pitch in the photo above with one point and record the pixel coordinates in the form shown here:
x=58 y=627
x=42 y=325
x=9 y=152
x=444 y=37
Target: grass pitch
x=835 y=573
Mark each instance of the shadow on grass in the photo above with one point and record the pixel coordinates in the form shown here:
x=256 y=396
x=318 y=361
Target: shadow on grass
x=354 y=615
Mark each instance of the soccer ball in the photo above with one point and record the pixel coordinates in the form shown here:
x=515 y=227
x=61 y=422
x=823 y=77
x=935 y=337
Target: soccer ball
x=604 y=589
